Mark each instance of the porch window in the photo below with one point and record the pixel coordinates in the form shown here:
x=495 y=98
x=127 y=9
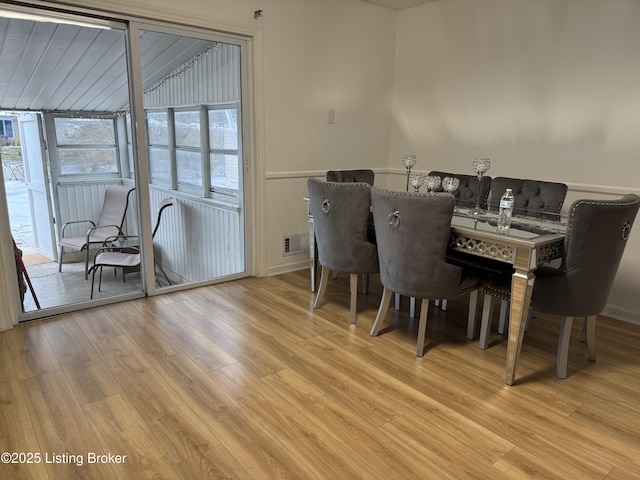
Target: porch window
x=179 y=154
x=86 y=145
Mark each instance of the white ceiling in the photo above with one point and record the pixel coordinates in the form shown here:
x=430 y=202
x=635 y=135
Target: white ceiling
x=49 y=66
x=399 y=4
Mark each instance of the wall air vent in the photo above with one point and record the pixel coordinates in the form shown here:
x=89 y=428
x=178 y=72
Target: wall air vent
x=295 y=244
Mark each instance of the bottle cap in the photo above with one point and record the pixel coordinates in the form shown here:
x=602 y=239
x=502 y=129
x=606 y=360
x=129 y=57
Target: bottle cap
x=509 y=190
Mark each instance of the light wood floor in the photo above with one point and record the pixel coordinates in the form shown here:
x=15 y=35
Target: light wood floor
x=245 y=380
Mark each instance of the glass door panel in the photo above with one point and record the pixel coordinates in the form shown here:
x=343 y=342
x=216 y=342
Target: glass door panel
x=192 y=99
x=65 y=82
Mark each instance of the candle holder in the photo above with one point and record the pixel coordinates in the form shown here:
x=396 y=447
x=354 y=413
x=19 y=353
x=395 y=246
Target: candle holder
x=416 y=182
x=408 y=161
x=432 y=182
x=480 y=166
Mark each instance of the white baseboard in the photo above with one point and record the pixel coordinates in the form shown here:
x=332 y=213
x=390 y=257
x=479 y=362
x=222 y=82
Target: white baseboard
x=622 y=314
x=288 y=267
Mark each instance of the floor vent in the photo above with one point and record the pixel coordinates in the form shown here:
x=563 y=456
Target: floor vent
x=295 y=244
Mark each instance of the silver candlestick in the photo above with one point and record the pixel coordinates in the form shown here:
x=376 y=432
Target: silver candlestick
x=480 y=166
x=408 y=161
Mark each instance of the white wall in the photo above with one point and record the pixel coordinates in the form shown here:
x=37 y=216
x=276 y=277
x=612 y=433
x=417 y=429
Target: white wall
x=318 y=55
x=547 y=89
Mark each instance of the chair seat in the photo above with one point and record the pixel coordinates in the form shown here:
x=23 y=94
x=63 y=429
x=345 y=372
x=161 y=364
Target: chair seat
x=80 y=242
x=117 y=259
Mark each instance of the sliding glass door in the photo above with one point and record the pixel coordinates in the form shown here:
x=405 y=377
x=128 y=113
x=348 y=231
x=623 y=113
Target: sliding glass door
x=154 y=108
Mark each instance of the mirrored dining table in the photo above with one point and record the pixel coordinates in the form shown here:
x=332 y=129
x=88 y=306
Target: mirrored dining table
x=531 y=241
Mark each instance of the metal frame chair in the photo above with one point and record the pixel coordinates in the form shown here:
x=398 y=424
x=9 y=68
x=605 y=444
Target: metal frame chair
x=109 y=224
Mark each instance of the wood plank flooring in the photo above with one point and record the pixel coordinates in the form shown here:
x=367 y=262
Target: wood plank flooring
x=246 y=380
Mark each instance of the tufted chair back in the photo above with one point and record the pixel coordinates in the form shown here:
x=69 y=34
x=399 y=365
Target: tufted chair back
x=533 y=198
x=467 y=193
x=351 y=176
x=596 y=237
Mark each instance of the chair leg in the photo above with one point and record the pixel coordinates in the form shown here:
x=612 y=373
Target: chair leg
x=86 y=264
x=100 y=280
x=485 y=324
x=412 y=307
x=60 y=259
x=166 y=277
x=93 y=279
x=365 y=283
x=473 y=313
x=353 y=281
x=422 y=327
x=324 y=278
x=590 y=328
x=397 y=301
x=504 y=311
x=445 y=302
x=382 y=311
x=563 y=347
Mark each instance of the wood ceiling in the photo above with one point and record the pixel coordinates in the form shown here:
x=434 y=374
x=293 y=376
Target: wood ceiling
x=49 y=66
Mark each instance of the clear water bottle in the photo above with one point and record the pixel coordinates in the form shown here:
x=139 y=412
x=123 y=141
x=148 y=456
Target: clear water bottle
x=506 y=210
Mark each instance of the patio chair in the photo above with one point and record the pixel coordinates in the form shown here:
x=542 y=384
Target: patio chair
x=123 y=252
x=109 y=224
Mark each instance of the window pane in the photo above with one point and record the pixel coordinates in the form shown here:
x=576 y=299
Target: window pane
x=189 y=167
x=87 y=160
x=159 y=164
x=187 y=129
x=224 y=171
x=223 y=129
x=157 y=128
x=85 y=131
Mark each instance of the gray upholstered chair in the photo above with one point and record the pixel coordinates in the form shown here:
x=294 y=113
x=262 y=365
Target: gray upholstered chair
x=595 y=240
x=413 y=232
x=340 y=215
x=533 y=198
x=351 y=176
x=467 y=193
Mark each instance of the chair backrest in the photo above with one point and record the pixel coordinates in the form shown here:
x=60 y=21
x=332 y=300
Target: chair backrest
x=114 y=207
x=412 y=232
x=533 y=198
x=596 y=237
x=340 y=214
x=467 y=193
x=351 y=176
x=167 y=202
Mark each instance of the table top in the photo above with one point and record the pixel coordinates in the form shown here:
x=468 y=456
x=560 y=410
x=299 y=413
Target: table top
x=522 y=228
x=478 y=235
